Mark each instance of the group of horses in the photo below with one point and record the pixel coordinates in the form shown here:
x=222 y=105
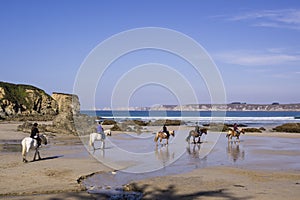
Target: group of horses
x=30 y=143
x=195 y=134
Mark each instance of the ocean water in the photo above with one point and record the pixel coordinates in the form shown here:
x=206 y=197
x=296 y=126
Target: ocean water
x=250 y=118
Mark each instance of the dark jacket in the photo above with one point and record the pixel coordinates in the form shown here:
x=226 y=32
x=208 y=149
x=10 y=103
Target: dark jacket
x=34 y=132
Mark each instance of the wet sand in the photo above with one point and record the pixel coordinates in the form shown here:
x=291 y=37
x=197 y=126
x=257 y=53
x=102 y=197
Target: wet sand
x=66 y=160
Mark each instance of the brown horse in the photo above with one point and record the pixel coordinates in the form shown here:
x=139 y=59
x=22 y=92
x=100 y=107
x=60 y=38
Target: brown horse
x=162 y=135
x=196 y=134
x=231 y=133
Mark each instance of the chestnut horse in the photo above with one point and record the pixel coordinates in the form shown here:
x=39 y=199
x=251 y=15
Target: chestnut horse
x=231 y=133
x=162 y=135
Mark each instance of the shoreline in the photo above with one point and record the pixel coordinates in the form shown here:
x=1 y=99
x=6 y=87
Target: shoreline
x=66 y=160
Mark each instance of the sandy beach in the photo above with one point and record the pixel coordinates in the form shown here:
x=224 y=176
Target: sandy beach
x=65 y=160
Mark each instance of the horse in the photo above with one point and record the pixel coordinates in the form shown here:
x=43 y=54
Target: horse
x=99 y=136
x=162 y=135
x=196 y=134
x=231 y=133
x=29 y=143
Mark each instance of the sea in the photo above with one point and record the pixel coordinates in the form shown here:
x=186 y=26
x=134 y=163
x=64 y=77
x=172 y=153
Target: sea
x=249 y=118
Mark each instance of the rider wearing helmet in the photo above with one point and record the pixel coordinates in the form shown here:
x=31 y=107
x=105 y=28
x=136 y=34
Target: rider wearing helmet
x=35 y=134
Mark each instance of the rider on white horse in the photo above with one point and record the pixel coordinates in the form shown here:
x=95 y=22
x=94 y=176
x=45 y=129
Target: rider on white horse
x=35 y=134
x=100 y=129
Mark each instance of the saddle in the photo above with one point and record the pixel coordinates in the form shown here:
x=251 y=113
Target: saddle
x=164 y=133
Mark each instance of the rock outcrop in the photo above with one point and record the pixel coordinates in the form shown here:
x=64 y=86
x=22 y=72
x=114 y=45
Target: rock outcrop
x=18 y=100
x=29 y=103
x=68 y=107
x=64 y=122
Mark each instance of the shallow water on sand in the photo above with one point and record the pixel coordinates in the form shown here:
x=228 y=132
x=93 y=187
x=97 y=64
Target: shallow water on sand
x=10 y=146
x=253 y=152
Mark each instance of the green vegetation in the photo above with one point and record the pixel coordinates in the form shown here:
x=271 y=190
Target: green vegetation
x=16 y=93
x=289 y=127
x=221 y=127
x=136 y=125
x=167 y=122
x=254 y=130
x=109 y=122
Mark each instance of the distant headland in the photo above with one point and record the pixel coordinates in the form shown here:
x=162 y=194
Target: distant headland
x=235 y=106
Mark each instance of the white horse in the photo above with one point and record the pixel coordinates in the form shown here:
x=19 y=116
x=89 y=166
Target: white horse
x=30 y=143
x=99 y=136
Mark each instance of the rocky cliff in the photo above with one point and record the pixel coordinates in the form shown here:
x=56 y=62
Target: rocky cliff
x=25 y=100
x=29 y=103
x=68 y=107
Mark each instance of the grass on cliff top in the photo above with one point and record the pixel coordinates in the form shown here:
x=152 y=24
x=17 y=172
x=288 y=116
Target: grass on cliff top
x=16 y=93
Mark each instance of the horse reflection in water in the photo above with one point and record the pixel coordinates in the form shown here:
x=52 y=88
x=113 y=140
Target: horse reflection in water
x=194 y=150
x=163 y=154
x=235 y=152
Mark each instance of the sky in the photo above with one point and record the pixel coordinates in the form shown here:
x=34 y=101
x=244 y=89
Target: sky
x=255 y=46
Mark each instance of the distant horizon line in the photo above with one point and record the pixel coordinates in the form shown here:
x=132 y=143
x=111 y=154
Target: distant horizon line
x=168 y=106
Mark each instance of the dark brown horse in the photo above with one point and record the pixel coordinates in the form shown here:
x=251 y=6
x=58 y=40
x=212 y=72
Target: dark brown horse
x=231 y=133
x=162 y=135
x=196 y=134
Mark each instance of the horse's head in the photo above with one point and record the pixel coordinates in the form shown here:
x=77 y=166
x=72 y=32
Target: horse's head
x=242 y=131
x=172 y=133
x=203 y=130
x=44 y=139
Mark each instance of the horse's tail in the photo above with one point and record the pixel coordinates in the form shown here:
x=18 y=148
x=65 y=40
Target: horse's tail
x=91 y=140
x=188 y=137
x=156 y=137
x=228 y=133
x=23 y=147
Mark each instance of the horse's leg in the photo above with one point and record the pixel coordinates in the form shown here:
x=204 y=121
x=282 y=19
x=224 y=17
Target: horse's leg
x=102 y=144
x=24 y=151
x=24 y=157
x=35 y=152
x=199 y=140
x=230 y=138
x=92 y=144
x=38 y=153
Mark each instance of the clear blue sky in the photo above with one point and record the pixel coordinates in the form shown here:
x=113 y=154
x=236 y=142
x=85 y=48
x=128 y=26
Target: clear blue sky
x=255 y=44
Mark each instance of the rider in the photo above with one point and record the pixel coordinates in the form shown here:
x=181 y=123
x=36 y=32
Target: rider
x=165 y=130
x=235 y=128
x=197 y=128
x=35 y=134
x=100 y=128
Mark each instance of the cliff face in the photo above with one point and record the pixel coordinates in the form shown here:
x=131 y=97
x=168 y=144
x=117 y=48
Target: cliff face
x=67 y=103
x=68 y=106
x=25 y=100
